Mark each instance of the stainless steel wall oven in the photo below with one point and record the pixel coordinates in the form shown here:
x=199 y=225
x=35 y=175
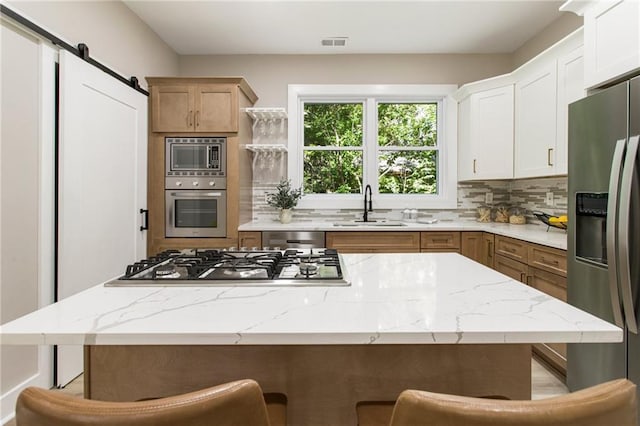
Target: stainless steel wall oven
x=195 y=187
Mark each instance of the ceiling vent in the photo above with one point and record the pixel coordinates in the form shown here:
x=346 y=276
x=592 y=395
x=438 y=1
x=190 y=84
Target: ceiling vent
x=334 y=41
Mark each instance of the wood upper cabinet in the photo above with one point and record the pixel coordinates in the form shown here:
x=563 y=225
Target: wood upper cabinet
x=195 y=108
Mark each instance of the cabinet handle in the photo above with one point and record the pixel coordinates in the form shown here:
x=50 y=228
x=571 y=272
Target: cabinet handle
x=549 y=152
x=510 y=249
x=197 y=118
x=523 y=278
x=440 y=240
x=489 y=254
x=190 y=119
x=549 y=262
x=474 y=165
x=527 y=279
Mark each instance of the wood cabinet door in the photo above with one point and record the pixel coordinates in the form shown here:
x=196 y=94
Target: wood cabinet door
x=555 y=354
x=488 y=240
x=535 y=123
x=216 y=108
x=250 y=239
x=172 y=108
x=511 y=268
x=472 y=245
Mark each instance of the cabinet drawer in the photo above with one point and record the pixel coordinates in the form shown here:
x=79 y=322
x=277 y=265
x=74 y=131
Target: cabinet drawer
x=548 y=259
x=551 y=284
x=511 y=248
x=440 y=240
x=510 y=267
x=374 y=242
x=553 y=354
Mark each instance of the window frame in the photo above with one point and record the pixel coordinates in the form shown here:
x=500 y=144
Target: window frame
x=371 y=95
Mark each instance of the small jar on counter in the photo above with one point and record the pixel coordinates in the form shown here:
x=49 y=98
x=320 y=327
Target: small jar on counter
x=517 y=216
x=484 y=214
x=502 y=214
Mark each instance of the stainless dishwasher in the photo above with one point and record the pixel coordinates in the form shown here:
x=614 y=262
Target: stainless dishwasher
x=293 y=239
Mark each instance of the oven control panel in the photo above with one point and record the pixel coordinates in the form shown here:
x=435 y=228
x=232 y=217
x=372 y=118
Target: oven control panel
x=191 y=183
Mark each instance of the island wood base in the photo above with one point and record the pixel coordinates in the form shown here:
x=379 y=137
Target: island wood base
x=322 y=383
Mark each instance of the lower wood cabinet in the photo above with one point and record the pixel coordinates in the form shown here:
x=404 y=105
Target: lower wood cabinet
x=250 y=239
x=440 y=241
x=472 y=245
x=374 y=242
x=511 y=268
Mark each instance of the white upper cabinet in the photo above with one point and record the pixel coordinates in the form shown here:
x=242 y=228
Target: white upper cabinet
x=536 y=109
x=486 y=135
x=611 y=38
x=570 y=89
x=544 y=88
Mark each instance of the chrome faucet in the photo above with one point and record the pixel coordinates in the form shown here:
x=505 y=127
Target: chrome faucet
x=365 y=215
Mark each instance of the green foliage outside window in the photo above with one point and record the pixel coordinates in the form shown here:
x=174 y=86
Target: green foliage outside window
x=404 y=131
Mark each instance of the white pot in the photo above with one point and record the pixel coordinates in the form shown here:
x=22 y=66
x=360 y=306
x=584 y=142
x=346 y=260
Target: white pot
x=285 y=215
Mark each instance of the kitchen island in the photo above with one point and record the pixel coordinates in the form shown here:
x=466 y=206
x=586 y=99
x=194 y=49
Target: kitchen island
x=430 y=321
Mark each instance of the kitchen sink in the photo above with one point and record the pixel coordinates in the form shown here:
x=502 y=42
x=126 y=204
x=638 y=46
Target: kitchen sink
x=354 y=223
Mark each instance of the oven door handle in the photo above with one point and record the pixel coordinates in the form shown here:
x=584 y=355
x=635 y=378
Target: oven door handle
x=196 y=194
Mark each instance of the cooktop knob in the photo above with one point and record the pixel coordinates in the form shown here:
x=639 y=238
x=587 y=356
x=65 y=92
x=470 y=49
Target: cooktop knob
x=212 y=183
x=196 y=183
x=178 y=183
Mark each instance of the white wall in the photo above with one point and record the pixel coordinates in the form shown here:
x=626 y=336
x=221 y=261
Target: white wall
x=115 y=35
x=269 y=75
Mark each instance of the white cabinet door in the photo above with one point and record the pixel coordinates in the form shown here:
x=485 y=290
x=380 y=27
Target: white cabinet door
x=570 y=89
x=465 y=144
x=102 y=184
x=612 y=40
x=492 y=133
x=485 y=149
x=535 y=123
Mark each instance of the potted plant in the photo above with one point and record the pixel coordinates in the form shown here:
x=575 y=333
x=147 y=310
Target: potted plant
x=285 y=198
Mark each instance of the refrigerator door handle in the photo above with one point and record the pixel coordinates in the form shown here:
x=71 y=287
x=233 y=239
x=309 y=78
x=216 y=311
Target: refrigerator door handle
x=612 y=228
x=623 y=233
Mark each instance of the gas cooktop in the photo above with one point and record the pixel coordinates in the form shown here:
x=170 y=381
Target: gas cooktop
x=308 y=267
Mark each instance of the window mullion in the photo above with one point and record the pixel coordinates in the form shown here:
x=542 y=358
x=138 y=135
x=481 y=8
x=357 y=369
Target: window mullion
x=370 y=169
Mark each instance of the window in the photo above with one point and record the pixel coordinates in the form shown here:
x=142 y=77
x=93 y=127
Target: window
x=400 y=139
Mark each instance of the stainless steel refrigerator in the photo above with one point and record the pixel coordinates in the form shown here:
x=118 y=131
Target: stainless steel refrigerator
x=604 y=229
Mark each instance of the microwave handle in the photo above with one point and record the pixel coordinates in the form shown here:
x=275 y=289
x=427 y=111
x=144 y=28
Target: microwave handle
x=196 y=194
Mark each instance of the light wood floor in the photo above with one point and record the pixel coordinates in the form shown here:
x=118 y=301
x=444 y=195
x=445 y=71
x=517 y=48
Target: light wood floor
x=544 y=384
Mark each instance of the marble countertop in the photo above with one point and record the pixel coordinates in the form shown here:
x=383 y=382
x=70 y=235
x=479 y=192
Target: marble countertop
x=413 y=298
x=538 y=234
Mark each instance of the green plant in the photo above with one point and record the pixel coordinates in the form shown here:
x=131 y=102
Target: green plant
x=285 y=197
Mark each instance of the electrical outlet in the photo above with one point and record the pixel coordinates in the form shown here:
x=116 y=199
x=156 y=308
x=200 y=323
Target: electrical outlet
x=488 y=197
x=549 y=199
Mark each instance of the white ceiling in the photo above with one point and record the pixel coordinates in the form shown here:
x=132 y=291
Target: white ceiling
x=297 y=27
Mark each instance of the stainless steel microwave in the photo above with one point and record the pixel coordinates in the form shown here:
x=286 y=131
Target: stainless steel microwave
x=196 y=156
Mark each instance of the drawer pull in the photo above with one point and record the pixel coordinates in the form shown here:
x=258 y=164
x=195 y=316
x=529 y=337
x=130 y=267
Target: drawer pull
x=440 y=240
x=510 y=249
x=549 y=262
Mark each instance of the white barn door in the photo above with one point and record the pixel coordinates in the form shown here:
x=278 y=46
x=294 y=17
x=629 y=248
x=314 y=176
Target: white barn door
x=102 y=184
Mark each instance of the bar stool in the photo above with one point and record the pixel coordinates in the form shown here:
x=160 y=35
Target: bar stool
x=235 y=403
x=610 y=403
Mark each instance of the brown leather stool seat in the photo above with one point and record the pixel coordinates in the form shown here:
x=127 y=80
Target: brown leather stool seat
x=234 y=403
x=611 y=403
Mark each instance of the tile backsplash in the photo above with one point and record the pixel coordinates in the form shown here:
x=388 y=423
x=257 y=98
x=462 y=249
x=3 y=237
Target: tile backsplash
x=529 y=194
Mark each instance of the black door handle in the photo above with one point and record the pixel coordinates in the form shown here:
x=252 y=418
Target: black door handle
x=145 y=225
